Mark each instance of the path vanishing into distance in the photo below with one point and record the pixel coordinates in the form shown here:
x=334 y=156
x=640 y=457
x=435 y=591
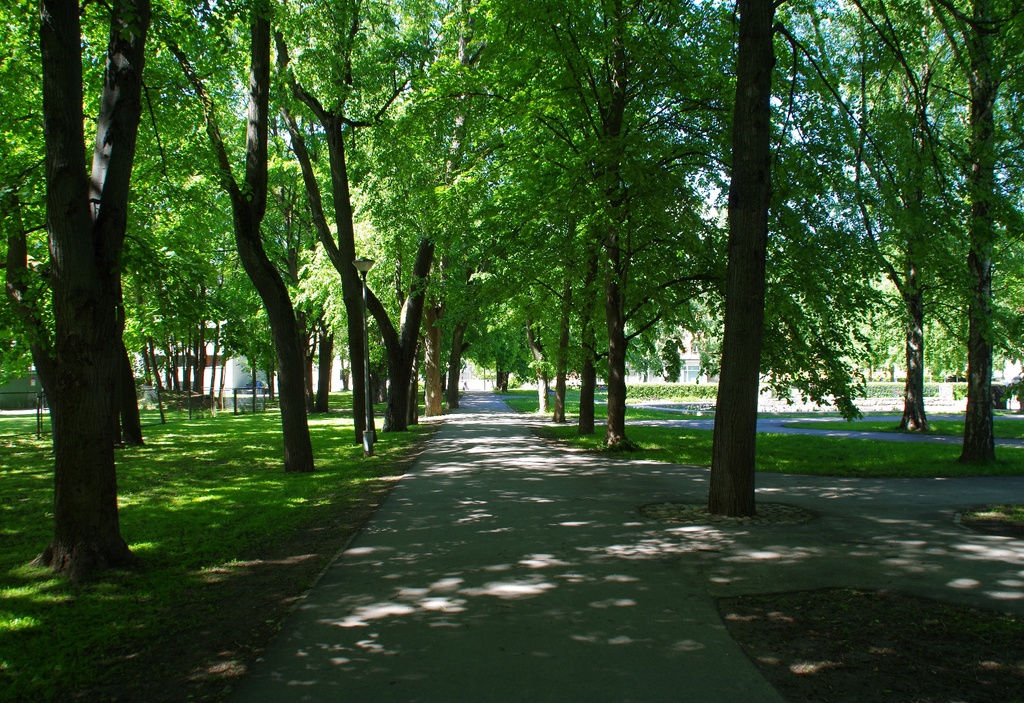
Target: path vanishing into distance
x=503 y=568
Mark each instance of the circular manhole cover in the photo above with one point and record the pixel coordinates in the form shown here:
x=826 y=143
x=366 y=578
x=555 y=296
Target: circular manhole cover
x=697 y=514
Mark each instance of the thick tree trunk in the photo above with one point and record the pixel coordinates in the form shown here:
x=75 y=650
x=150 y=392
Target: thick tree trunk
x=914 y=417
x=615 y=282
x=414 y=385
x=732 y=461
x=401 y=346
x=86 y=221
x=979 y=439
x=325 y=355
x=455 y=365
x=432 y=362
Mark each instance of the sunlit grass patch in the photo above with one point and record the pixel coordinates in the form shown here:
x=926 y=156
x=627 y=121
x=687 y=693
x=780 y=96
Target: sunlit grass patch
x=198 y=504
x=805 y=454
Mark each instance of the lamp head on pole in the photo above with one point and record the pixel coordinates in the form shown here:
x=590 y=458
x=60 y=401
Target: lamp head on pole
x=363 y=265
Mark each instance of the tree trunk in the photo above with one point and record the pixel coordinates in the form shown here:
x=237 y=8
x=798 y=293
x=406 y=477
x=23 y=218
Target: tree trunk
x=615 y=282
x=979 y=439
x=733 y=449
x=199 y=370
x=414 y=385
x=128 y=400
x=615 y=312
x=914 y=417
x=86 y=219
x=326 y=356
x=214 y=360
x=540 y=368
x=455 y=365
x=307 y=343
x=588 y=374
x=562 y=361
x=401 y=346
x=248 y=204
x=432 y=362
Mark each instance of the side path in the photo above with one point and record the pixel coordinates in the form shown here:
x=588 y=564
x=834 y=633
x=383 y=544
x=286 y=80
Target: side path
x=501 y=569
x=830 y=427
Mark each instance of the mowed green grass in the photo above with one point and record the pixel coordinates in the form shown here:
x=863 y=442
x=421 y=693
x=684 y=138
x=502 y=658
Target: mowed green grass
x=788 y=453
x=200 y=496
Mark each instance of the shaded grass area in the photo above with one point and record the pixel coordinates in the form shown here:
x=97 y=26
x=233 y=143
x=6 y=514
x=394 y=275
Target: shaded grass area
x=849 y=646
x=996 y=519
x=1002 y=428
x=226 y=538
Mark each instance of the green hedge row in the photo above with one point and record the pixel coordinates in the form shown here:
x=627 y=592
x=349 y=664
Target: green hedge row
x=671 y=391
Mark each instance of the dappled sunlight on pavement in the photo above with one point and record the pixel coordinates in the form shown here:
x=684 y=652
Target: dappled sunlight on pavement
x=503 y=569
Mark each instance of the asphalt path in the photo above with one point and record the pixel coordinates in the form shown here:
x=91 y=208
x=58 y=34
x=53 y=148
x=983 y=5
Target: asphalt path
x=830 y=427
x=502 y=568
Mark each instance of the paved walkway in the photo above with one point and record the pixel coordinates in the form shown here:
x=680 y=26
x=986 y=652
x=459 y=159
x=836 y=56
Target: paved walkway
x=503 y=569
x=831 y=427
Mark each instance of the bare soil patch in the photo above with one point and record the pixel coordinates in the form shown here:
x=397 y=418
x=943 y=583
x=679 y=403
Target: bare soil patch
x=850 y=646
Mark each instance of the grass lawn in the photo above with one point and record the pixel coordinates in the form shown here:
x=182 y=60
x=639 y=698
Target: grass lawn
x=787 y=453
x=217 y=523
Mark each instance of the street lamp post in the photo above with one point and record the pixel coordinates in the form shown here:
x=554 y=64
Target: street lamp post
x=363 y=265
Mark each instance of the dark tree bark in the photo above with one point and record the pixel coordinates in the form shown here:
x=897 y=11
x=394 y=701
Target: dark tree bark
x=308 y=343
x=86 y=221
x=401 y=345
x=326 y=356
x=341 y=252
x=432 y=395
x=127 y=422
x=248 y=204
x=128 y=400
x=732 y=461
x=588 y=374
x=613 y=119
x=562 y=356
x=455 y=364
x=413 y=413
x=914 y=418
x=979 y=438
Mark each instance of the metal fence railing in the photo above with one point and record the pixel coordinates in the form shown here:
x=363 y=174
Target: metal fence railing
x=24 y=413
x=28 y=413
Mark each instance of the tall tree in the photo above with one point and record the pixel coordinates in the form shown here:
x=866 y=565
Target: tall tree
x=973 y=34
x=248 y=204
x=731 y=490
x=87 y=215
